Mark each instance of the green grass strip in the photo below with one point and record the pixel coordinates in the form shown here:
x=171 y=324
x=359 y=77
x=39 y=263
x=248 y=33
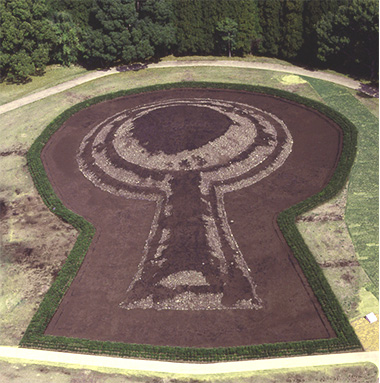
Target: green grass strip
x=54 y=75
x=362 y=208
x=346 y=338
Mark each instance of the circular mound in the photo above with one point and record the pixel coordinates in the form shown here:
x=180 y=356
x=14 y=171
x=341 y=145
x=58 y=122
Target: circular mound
x=184 y=187
x=180 y=127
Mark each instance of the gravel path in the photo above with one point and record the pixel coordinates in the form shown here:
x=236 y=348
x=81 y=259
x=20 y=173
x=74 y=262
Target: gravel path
x=89 y=361
x=169 y=64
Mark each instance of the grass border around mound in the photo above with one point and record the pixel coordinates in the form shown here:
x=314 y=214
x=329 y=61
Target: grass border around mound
x=345 y=339
x=362 y=208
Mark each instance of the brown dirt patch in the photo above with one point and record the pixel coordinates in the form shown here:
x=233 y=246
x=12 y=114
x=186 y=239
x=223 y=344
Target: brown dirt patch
x=284 y=307
x=341 y=263
x=17 y=152
x=3 y=209
x=25 y=246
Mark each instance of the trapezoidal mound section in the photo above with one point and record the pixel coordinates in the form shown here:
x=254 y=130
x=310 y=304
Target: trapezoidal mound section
x=183 y=187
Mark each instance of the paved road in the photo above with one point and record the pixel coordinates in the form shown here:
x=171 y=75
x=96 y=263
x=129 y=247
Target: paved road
x=169 y=64
x=88 y=361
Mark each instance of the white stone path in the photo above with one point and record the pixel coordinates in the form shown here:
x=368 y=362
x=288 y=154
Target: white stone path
x=92 y=361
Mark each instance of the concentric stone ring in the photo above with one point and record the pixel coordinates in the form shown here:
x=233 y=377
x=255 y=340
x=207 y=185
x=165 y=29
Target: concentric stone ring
x=141 y=153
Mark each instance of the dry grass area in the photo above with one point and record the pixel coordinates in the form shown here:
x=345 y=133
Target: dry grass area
x=33 y=247
x=368 y=333
x=33 y=373
x=327 y=236
x=54 y=74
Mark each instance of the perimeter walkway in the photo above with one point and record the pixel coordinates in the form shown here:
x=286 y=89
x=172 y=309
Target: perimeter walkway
x=93 y=361
x=170 y=64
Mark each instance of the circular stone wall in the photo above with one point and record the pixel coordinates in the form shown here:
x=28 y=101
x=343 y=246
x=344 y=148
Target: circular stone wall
x=184 y=187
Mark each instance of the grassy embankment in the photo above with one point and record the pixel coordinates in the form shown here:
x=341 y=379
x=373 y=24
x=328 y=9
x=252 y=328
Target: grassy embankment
x=362 y=200
x=351 y=266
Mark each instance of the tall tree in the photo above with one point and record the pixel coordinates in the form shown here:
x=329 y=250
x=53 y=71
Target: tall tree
x=247 y=16
x=78 y=10
x=190 y=25
x=156 y=22
x=228 y=29
x=26 y=38
x=292 y=31
x=270 y=12
x=314 y=10
x=112 y=36
x=349 y=37
x=68 y=36
x=196 y=24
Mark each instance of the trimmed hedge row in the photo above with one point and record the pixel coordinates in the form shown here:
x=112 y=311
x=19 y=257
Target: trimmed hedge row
x=346 y=338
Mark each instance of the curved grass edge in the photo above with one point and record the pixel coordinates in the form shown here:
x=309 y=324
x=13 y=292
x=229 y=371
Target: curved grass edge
x=346 y=339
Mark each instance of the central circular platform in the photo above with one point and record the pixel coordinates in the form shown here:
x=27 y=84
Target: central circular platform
x=178 y=127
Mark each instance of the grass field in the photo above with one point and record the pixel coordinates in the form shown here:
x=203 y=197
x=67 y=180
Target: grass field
x=362 y=201
x=54 y=75
x=23 y=280
x=248 y=58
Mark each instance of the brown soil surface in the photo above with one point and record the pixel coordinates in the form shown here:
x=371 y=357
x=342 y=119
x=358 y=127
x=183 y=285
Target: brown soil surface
x=288 y=309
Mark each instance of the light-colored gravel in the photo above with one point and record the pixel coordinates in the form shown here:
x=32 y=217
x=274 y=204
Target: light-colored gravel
x=93 y=361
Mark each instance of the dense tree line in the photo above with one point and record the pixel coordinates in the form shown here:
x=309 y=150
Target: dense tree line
x=342 y=34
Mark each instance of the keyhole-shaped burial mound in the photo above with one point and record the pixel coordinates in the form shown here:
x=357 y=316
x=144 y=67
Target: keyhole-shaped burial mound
x=200 y=149
x=183 y=188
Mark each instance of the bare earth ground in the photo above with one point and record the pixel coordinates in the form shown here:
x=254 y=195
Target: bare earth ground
x=290 y=310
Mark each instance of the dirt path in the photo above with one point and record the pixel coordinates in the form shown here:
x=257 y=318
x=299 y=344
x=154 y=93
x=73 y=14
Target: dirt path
x=93 y=361
x=169 y=64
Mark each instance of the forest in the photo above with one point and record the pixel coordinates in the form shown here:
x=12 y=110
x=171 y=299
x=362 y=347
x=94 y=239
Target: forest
x=342 y=35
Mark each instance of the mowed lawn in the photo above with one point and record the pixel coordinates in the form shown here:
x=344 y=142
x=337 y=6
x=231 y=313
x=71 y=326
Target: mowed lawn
x=54 y=75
